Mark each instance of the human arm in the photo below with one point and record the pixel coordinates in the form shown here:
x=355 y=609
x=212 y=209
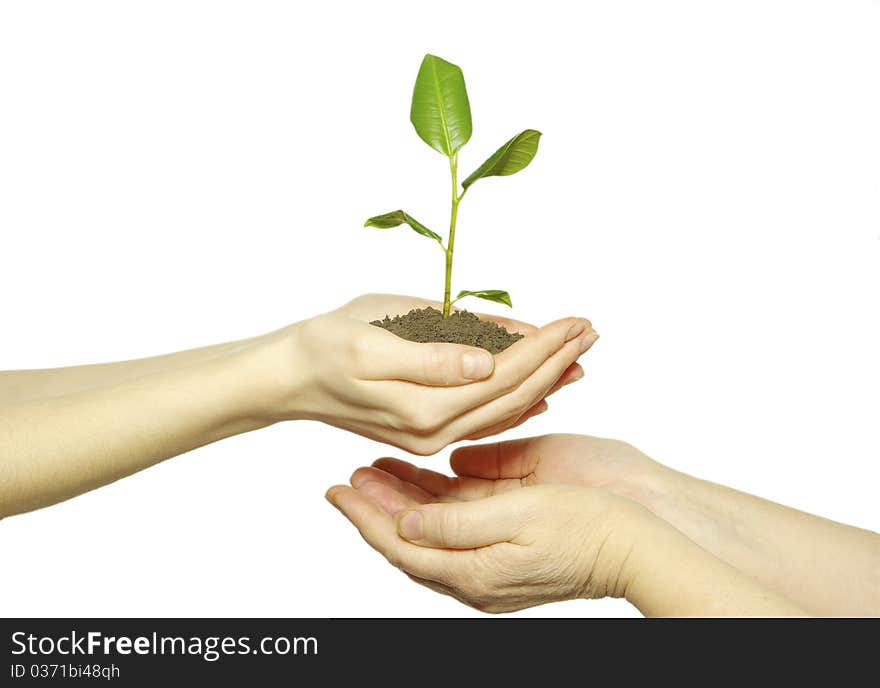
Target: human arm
x=549 y=543
x=17 y=386
x=828 y=568
x=27 y=385
x=57 y=447
x=335 y=368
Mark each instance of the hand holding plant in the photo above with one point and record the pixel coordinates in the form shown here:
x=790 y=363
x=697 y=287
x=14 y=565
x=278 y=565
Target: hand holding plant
x=338 y=369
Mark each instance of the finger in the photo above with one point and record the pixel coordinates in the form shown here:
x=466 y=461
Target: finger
x=508 y=459
x=380 y=532
x=501 y=409
x=385 y=356
x=464 y=525
x=573 y=373
x=512 y=405
x=391 y=501
x=536 y=410
x=377 y=473
x=436 y=485
x=522 y=359
x=430 y=481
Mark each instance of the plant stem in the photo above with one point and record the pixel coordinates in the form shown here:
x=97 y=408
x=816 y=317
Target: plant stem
x=450 y=244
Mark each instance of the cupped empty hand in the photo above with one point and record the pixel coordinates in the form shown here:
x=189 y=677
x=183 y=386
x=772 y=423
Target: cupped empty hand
x=502 y=552
x=522 y=522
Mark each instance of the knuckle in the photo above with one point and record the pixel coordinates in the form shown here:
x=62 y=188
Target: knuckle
x=517 y=403
x=448 y=526
x=393 y=557
x=445 y=413
x=420 y=418
x=424 y=446
x=438 y=366
x=435 y=446
x=309 y=331
x=361 y=350
x=509 y=386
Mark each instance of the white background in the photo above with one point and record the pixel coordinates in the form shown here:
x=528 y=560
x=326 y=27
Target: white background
x=181 y=173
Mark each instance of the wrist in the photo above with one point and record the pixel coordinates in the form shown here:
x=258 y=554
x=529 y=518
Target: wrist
x=643 y=536
x=667 y=574
x=653 y=486
x=672 y=576
x=274 y=379
x=625 y=529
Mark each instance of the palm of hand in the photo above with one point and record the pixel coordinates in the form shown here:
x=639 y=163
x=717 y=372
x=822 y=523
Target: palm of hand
x=546 y=562
x=484 y=470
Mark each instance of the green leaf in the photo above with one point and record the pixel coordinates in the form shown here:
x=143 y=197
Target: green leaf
x=398 y=217
x=440 y=110
x=495 y=295
x=512 y=157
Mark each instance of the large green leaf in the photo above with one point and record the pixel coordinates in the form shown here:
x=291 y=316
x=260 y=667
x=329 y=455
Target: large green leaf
x=513 y=156
x=398 y=217
x=495 y=295
x=440 y=110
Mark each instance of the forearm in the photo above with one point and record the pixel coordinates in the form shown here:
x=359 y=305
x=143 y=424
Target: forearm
x=58 y=447
x=826 y=567
x=671 y=576
x=18 y=386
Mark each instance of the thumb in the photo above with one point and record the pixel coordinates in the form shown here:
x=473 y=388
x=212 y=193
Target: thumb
x=435 y=364
x=464 y=525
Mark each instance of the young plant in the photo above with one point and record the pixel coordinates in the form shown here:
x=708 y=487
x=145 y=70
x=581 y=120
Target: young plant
x=441 y=115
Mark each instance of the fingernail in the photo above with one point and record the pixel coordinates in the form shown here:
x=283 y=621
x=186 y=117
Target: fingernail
x=410 y=525
x=543 y=410
x=588 y=340
x=476 y=365
x=575 y=330
x=575 y=376
x=329 y=497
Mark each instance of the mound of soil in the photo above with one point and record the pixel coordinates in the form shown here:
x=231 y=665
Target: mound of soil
x=429 y=325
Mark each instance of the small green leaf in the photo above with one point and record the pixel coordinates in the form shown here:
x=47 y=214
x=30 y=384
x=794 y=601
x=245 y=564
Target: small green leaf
x=398 y=217
x=512 y=157
x=495 y=295
x=440 y=109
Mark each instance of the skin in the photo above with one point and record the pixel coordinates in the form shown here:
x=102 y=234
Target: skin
x=69 y=430
x=591 y=517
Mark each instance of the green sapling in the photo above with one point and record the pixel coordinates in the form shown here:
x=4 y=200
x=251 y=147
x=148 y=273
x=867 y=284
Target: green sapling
x=441 y=115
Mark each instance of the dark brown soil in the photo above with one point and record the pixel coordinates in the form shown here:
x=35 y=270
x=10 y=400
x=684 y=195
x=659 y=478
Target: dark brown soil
x=461 y=327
